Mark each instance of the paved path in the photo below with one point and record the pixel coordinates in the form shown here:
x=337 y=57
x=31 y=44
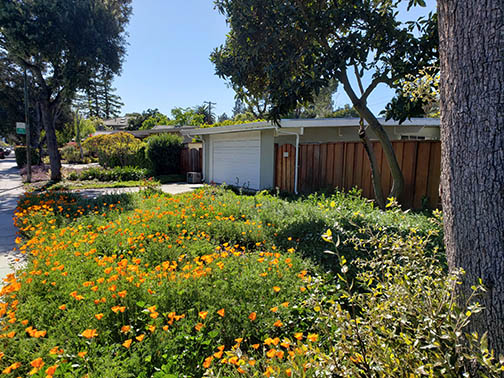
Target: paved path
x=175 y=188
x=11 y=188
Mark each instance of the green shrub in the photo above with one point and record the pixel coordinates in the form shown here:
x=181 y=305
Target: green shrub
x=114 y=150
x=71 y=153
x=141 y=159
x=114 y=174
x=20 y=152
x=93 y=144
x=164 y=153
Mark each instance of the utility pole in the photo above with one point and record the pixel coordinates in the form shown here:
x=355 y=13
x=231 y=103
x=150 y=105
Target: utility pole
x=210 y=103
x=28 y=133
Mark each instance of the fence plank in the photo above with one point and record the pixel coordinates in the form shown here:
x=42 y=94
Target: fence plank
x=358 y=168
x=339 y=165
x=330 y=165
x=434 y=175
x=349 y=165
x=285 y=170
x=292 y=161
x=323 y=167
x=422 y=173
x=316 y=167
x=309 y=168
x=408 y=169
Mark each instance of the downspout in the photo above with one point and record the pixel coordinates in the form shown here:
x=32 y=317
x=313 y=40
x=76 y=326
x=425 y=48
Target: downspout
x=296 y=172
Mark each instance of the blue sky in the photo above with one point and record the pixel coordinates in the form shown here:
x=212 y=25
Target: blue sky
x=167 y=64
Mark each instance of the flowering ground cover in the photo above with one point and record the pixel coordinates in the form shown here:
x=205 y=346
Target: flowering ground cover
x=219 y=284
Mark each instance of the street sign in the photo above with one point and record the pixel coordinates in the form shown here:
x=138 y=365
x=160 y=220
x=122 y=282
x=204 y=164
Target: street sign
x=21 y=128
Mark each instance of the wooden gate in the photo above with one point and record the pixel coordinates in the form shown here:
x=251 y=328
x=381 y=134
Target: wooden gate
x=190 y=160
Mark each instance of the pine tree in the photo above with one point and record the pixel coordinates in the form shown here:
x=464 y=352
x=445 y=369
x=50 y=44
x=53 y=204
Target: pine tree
x=99 y=99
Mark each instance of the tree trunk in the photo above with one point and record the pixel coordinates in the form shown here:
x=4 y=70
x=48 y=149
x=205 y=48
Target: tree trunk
x=375 y=170
x=48 y=120
x=388 y=150
x=361 y=108
x=472 y=142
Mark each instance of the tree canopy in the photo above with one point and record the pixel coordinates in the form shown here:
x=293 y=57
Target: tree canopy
x=63 y=43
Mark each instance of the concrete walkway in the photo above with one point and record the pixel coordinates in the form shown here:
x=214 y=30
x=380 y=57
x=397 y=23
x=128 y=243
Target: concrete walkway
x=11 y=188
x=175 y=188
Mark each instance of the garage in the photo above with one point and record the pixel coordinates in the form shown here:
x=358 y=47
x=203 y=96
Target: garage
x=236 y=159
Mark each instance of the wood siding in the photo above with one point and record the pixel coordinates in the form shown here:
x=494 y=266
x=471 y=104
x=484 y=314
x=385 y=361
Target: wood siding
x=345 y=165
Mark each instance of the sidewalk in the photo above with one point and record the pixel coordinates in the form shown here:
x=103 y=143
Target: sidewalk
x=11 y=188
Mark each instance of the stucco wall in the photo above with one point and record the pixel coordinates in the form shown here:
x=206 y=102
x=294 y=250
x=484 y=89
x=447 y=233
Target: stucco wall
x=267 y=159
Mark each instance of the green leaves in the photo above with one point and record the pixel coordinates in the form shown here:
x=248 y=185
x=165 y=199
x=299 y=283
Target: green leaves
x=288 y=51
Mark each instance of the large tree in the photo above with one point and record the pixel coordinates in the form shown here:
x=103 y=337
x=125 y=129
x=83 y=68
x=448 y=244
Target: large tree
x=290 y=50
x=63 y=43
x=471 y=49
x=472 y=144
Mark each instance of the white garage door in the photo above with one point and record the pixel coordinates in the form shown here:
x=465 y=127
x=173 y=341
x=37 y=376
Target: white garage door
x=236 y=159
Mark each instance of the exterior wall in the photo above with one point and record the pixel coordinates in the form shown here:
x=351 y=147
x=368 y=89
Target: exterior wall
x=267 y=159
x=317 y=135
x=206 y=158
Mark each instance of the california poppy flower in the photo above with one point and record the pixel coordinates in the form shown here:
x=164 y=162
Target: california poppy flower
x=89 y=333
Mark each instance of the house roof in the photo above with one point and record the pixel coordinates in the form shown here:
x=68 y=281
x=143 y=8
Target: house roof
x=309 y=122
x=117 y=123
x=155 y=130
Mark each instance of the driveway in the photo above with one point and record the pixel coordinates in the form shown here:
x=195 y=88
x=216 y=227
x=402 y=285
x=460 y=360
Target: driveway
x=11 y=188
x=175 y=188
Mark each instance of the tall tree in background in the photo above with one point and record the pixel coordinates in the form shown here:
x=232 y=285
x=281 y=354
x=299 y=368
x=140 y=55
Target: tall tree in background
x=62 y=43
x=472 y=144
x=293 y=49
x=98 y=100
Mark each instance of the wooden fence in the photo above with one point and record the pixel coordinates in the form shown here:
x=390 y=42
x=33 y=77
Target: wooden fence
x=190 y=160
x=345 y=165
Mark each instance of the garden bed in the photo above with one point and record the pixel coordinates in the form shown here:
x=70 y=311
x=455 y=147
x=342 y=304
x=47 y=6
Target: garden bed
x=214 y=283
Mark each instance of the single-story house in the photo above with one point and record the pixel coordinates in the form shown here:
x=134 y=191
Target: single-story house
x=247 y=155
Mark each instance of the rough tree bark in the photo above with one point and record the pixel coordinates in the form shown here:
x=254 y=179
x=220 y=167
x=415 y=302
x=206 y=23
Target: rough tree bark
x=472 y=142
x=48 y=113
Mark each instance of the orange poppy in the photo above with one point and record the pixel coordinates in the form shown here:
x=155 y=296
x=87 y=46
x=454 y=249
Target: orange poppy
x=221 y=312
x=127 y=343
x=203 y=314
x=252 y=316
x=89 y=333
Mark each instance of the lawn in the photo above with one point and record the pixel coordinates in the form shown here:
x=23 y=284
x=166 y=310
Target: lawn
x=219 y=284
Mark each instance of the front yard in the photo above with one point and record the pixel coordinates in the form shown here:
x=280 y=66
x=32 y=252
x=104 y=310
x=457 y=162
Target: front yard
x=219 y=284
